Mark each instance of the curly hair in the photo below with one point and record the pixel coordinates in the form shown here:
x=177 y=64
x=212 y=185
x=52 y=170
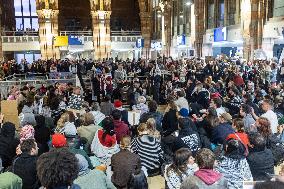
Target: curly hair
x=58 y=167
x=264 y=127
x=205 y=159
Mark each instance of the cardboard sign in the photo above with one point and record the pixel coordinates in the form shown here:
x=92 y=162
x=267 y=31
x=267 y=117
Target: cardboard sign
x=10 y=110
x=134 y=117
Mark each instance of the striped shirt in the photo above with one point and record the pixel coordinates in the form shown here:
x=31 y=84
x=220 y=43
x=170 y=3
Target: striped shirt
x=149 y=150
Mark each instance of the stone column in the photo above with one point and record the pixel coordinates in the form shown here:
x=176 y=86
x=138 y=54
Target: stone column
x=1 y=50
x=101 y=12
x=199 y=25
x=146 y=25
x=226 y=16
x=48 y=28
x=252 y=26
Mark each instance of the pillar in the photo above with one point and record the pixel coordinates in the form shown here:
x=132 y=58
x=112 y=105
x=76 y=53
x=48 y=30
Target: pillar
x=1 y=50
x=101 y=12
x=146 y=25
x=199 y=10
x=168 y=29
x=47 y=11
x=252 y=20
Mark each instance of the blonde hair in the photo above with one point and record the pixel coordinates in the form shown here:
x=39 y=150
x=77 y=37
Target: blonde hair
x=143 y=129
x=65 y=117
x=151 y=123
x=125 y=142
x=87 y=119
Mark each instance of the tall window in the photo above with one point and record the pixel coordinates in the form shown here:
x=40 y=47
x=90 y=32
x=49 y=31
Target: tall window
x=25 y=14
x=221 y=13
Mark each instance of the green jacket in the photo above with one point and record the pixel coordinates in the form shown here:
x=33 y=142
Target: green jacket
x=9 y=180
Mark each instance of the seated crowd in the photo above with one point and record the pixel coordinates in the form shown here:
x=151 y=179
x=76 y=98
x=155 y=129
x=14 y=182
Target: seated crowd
x=209 y=134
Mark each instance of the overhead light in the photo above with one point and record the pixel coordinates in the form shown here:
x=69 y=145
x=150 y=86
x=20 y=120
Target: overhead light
x=188 y=3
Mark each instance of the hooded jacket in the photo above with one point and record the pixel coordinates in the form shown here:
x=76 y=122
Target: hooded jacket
x=120 y=129
x=206 y=178
x=8 y=144
x=187 y=138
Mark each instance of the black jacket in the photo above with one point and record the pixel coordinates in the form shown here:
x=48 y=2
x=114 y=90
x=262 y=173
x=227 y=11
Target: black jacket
x=170 y=122
x=261 y=163
x=25 y=167
x=187 y=138
x=8 y=144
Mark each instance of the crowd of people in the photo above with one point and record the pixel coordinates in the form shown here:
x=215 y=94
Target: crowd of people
x=197 y=123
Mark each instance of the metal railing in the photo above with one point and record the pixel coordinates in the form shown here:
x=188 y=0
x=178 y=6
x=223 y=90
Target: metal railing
x=76 y=33
x=19 y=39
x=125 y=33
x=19 y=33
x=125 y=38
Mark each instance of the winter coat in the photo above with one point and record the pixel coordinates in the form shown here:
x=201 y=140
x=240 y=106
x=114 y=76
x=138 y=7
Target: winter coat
x=220 y=133
x=8 y=145
x=123 y=165
x=187 y=138
x=261 y=163
x=121 y=129
x=9 y=180
x=170 y=122
x=209 y=179
x=88 y=132
x=25 y=167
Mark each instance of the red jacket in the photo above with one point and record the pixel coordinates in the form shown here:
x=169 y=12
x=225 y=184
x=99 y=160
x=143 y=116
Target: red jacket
x=243 y=137
x=121 y=129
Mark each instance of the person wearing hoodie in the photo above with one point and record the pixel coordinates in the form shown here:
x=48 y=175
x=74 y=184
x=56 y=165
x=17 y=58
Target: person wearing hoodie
x=8 y=144
x=187 y=137
x=260 y=158
x=206 y=177
x=183 y=166
x=120 y=128
x=104 y=144
x=233 y=164
x=245 y=113
x=97 y=177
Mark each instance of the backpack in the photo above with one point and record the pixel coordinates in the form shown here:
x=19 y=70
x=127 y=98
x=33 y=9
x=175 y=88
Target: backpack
x=277 y=148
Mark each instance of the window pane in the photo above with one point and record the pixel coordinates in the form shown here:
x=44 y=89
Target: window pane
x=27 y=23
x=17 y=4
x=19 y=57
x=26 y=7
x=19 y=24
x=37 y=56
x=29 y=58
x=35 y=23
x=33 y=8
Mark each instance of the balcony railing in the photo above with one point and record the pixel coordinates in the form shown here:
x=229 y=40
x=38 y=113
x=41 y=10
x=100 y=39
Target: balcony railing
x=19 y=39
x=125 y=33
x=19 y=33
x=76 y=33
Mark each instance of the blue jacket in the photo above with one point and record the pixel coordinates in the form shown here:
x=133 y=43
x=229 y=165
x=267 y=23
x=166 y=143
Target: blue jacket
x=220 y=133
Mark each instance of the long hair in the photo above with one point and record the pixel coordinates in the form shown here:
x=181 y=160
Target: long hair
x=108 y=127
x=264 y=127
x=180 y=161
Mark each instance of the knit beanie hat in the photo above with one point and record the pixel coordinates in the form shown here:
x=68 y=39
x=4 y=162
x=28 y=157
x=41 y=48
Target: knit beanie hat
x=27 y=132
x=117 y=104
x=58 y=141
x=184 y=112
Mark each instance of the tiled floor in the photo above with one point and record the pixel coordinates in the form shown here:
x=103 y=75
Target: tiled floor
x=157 y=182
